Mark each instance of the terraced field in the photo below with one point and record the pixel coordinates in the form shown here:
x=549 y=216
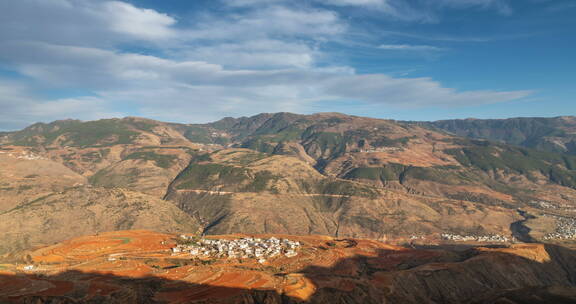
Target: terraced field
x=139 y=267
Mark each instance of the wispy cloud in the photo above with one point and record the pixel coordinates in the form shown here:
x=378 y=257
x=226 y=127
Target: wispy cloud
x=20 y=107
x=408 y=47
x=254 y=55
x=411 y=11
x=500 y=6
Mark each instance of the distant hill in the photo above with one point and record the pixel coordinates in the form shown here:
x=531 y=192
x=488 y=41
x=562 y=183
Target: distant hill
x=556 y=134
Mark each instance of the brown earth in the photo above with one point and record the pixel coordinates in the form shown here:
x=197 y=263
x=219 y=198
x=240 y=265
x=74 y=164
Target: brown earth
x=23 y=179
x=328 y=173
x=299 y=200
x=138 y=267
x=86 y=210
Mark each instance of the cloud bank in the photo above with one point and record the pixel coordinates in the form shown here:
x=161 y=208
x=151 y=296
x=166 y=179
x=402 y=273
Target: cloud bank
x=269 y=56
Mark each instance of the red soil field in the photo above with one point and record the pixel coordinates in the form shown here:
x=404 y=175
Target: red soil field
x=113 y=264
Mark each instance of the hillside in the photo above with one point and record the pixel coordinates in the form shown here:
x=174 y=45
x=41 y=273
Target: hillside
x=139 y=267
x=86 y=210
x=556 y=134
x=327 y=173
x=243 y=190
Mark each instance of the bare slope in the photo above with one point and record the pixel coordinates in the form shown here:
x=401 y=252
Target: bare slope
x=326 y=173
x=243 y=190
x=86 y=210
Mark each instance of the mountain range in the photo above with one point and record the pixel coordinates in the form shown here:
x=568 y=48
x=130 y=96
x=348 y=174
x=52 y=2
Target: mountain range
x=327 y=173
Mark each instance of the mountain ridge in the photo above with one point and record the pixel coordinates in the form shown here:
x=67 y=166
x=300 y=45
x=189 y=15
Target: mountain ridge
x=326 y=173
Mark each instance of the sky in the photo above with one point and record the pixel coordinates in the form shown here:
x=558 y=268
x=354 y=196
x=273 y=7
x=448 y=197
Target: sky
x=195 y=61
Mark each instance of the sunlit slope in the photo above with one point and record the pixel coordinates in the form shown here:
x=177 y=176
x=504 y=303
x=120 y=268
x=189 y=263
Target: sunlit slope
x=139 y=266
x=327 y=173
x=85 y=210
x=243 y=190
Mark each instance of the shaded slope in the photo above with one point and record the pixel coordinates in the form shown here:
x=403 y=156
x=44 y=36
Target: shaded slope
x=556 y=134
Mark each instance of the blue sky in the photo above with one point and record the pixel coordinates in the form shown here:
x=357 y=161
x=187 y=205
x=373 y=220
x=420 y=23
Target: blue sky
x=198 y=61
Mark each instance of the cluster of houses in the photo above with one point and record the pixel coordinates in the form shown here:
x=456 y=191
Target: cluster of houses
x=550 y=205
x=237 y=248
x=565 y=229
x=23 y=155
x=543 y=204
x=208 y=147
x=380 y=149
x=496 y=238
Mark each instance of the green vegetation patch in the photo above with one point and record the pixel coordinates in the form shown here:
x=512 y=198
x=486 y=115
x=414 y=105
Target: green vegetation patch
x=106 y=178
x=147 y=126
x=78 y=134
x=489 y=156
x=329 y=140
x=383 y=141
x=260 y=182
x=162 y=160
x=290 y=133
x=245 y=157
x=259 y=144
x=206 y=176
x=440 y=175
x=237 y=179
x=343 y=187
x=125 y=240
x=399 y=172
x=389 y=172
x=198 y=134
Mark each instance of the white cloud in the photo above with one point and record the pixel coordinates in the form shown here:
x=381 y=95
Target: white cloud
x=501 y=6
x=413 y=92
x=241 y=3
x=355 y=2
x=417 y=10
x=259 y=53
x=407 y=47
x=269 y=22
x=421 y=10
x=141 y=23
x=154 y=85
x=82 y=22
x=264 y=59
x=20 y=107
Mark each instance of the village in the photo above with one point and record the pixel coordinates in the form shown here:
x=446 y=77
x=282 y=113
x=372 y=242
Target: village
x=23 y=155
x=496 y=238
x=565 y=228
x=243 y=248
x=380 y=149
